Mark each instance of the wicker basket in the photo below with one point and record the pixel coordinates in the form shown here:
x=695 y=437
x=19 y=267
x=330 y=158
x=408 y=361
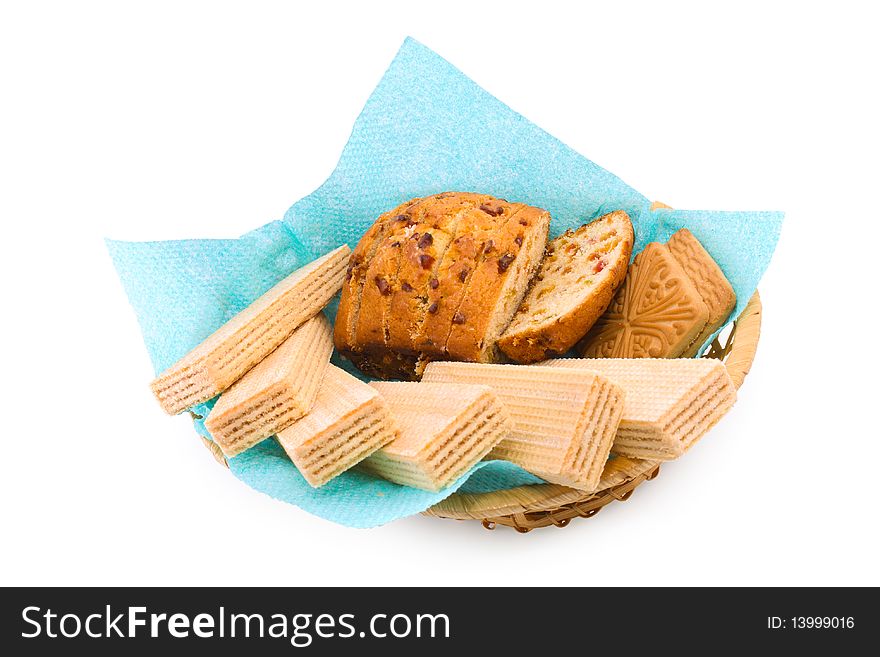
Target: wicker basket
x=529 y=507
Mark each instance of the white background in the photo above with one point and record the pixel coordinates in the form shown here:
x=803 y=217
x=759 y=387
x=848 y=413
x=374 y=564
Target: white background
x=205 y=120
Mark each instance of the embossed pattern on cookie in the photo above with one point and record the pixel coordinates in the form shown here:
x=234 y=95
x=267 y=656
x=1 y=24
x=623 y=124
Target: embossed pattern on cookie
x=708 y=279
x=657 y=313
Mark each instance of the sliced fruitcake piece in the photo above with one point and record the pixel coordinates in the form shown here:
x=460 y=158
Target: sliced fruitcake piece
x=376 y=295
x=420 y=261
x=577 y=280
x=358 y=264
x=447 y=287
x=382 y=280
x=498 y=285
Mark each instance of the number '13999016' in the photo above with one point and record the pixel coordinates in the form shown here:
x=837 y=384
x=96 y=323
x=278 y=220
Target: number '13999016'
x=811 y=623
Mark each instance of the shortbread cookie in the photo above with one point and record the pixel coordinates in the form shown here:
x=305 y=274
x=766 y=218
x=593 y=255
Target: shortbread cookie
x=348 y=421
x=246 y=339
x=279 y=390
x=670 y=403
x=444 y=430
x=577 y=279
x=657 y=313
x=563 y=424
x=714 y=288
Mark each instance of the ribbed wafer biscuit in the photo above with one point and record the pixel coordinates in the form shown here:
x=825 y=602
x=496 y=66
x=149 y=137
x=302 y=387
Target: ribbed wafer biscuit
x=246 y=339
x=348 y=421
x=670 y=403
x=563 y=425
x=444 y=430
x=714 y=288
x=279 y=390
x=656 y=313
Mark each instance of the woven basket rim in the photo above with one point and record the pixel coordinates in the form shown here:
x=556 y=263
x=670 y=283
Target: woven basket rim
x=536 y=497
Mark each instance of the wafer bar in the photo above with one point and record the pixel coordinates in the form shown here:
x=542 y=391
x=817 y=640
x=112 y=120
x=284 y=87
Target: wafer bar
x=348 y=421
x=444 y=430
x=670 y=403
x=279 y=390
x=251 y=335
x=563 y=425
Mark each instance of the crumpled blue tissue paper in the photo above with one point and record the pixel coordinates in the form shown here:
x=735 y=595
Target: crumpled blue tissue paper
x=427 y=128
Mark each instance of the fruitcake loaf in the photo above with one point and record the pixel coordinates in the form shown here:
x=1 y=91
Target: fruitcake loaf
x=437 y=277
x=577 y=279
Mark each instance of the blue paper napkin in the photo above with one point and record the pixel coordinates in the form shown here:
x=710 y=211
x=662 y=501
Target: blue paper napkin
x=427 y=128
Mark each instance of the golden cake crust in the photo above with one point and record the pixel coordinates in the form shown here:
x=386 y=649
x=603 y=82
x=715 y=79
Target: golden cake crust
x=424 y=266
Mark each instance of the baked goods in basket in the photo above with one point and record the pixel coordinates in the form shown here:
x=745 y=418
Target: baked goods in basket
x=578 y=277
x=437 y=277
x=445 y=288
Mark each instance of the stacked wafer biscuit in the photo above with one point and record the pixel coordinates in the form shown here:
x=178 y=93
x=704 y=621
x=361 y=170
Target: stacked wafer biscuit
x=348 y=422
x=246 y=339
x=444 y=430
x=670 y=403
x=281 y=389
x=270 y=364
x=564 y=421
